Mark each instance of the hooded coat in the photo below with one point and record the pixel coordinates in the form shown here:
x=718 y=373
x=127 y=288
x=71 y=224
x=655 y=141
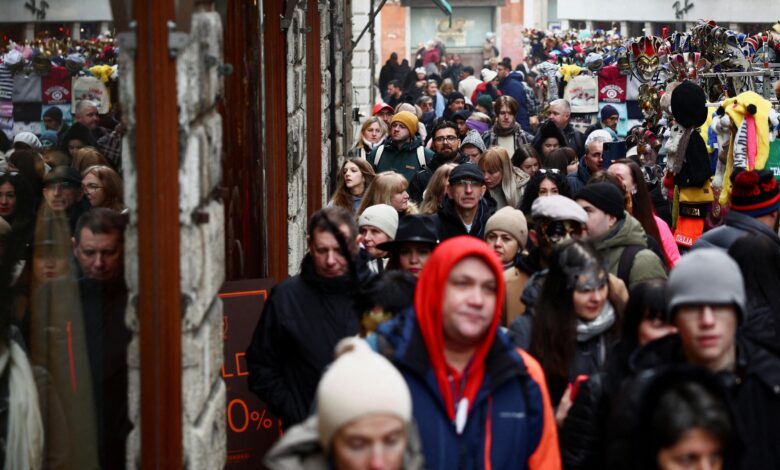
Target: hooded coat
x=646 y=265
x=735 y=226
x=507 y=420
x=401 y=159
x=302 y=321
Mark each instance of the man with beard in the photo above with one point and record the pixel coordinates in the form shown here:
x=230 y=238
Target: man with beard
x=755 y=199
x=445 y=145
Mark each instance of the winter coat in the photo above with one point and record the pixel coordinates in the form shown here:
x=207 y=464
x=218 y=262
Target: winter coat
x=578 y=179
x=423 y=177
x=627 y=232
x=302 y=321
x=735 y=226
x=401 y=159
x=511 y=418
x=671 y=250
x=449 y=224
x=108 y=337
x=300 y=449
x=753 y=392
x=512 y=85
x=574 y=139
x=387 y=73
x=521 y=138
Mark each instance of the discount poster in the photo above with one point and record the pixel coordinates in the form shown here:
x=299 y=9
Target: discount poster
x=251 y=429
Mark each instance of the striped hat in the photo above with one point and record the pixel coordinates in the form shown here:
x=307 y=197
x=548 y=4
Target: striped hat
x=755 y=193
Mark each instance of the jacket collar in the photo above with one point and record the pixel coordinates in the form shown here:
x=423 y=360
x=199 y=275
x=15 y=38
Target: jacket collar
x=745 y=222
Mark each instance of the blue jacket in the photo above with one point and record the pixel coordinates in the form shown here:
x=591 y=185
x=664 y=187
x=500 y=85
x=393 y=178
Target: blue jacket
x=512 y=85
x=510 y=425
x=737 y=225
x=580 y=178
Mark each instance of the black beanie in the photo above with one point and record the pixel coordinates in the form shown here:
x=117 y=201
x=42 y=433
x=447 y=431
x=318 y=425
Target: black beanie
x=689 y=104
x=455 y=95
x=54 y=112
x=604 y=196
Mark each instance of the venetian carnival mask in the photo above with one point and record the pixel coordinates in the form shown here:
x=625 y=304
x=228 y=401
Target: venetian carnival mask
x=623 y=62
x=645 y=57
x=650 y=103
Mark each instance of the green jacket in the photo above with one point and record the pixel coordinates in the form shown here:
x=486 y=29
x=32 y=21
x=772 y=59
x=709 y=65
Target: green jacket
x=628 y=232
x=402 y=160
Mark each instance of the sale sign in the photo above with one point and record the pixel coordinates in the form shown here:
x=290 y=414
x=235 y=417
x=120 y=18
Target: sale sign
x=251 y=428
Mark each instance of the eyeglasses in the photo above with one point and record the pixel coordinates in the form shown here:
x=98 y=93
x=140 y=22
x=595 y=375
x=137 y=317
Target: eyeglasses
x=464 y=183
x=448 y=138
x=545 y=171
x=91 y=188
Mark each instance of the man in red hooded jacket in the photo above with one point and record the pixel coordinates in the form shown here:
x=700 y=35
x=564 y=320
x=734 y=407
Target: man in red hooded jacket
x=478 y=401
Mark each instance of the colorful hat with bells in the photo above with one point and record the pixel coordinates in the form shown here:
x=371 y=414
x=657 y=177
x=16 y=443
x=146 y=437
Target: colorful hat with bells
x=645 y=60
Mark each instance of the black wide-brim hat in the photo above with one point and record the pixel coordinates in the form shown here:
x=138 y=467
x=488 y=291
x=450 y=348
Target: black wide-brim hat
x=412 y=229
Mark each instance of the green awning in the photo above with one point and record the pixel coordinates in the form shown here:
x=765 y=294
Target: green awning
x=444 y=6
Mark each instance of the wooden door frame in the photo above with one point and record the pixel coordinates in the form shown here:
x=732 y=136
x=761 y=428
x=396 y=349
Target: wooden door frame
x=159 y=299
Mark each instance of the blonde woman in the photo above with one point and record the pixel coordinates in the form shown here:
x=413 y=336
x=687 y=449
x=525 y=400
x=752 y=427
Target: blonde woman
x=505 y=182
x=372 y=135
x=389 y=187
x=354 y=179
x=434 y=193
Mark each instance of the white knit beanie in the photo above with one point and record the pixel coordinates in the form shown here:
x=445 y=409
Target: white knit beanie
x=382 y=216
x=359 y=383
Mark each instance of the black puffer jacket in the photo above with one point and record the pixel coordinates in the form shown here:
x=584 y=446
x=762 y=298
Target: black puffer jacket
x=448 y=222
x=302 y=320
x=753 y=392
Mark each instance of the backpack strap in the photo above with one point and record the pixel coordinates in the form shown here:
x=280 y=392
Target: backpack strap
x=378 y=154
x=627 y=261
x=420 y=157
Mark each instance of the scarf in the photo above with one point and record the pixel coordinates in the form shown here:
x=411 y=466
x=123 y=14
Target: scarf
x=591 y=329
x=501 y=132
x=24 y=436
x=369 y=146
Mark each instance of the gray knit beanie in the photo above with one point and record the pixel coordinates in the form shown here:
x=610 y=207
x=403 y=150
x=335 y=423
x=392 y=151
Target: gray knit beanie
x=473 y=138
x=705 y=276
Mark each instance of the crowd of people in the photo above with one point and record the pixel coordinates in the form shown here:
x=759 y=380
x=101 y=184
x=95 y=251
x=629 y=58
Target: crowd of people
x=494 y=286
x=63 y=344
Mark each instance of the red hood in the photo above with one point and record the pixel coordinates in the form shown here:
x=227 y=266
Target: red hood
x=429 y=296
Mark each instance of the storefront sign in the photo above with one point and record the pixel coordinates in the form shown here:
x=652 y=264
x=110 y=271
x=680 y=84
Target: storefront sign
x=251 y=428
x=468 y=28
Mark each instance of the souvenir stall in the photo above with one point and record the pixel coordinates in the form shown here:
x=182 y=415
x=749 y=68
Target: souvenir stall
x=40 y=75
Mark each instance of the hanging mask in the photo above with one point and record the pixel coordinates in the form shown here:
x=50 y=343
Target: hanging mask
x=623 y=62
x=594 y=62
x=650 y=103
x=556 y=231
x=42 y=63
x=583 y=278
x=645 y=57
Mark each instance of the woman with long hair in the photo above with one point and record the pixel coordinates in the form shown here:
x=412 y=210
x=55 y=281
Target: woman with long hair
x=18 y=208
x=505 y=182
x=372 y=135
x=576 y=325
x=437 y=186
x=643 y=209
x=413 y=244
x=103 y=187
x=389 y=188
x=526 y=159
x=354 y=178
x=546 y=182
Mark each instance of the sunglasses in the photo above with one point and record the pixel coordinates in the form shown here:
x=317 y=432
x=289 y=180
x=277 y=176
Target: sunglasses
x=9 y=173
x=552 y=171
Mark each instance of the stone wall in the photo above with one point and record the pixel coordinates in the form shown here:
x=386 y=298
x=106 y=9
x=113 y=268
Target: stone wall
x=362 y=57
x=199 y=87
x=331 y=111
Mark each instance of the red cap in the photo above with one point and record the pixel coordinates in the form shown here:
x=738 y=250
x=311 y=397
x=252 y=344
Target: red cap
x=380 y=106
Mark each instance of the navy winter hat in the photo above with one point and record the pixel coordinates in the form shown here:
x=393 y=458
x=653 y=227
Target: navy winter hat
x=54 y=113
x=455 y=96
x=466 y=171
x=604 y=196
x=608 y=111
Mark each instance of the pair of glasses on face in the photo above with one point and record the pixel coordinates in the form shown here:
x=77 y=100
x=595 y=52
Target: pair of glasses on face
x=91 y=188
x=445 y=138
x=551 y=171
x=464 y=183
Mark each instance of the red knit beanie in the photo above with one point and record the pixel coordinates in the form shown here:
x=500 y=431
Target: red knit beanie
x=755 y=193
